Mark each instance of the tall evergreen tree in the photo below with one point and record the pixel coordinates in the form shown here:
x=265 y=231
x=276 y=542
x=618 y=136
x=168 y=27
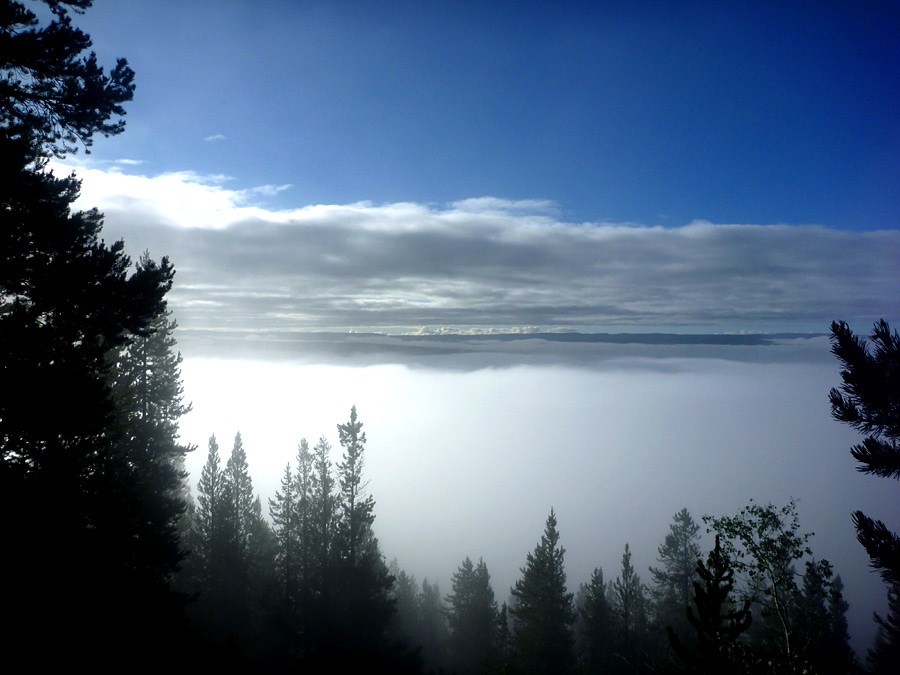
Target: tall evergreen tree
x=285 y=520
x=323 y=512
x=356 y=507
x=839 y=643
x=68 y=304
x=543 y=612
x=406 y=596
x=473 y=617
x=673 y=580
x=432 y=632
x=629 y=605
x=209 y=518
x=239 y=517
x=291 y=514
x=361 y=608
x=235 y=556
x=596 y=629
x=148 y=396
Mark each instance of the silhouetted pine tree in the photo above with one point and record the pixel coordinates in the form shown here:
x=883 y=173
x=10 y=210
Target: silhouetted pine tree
x=322 y=549
x=820 y=623
x=432 y=633
x=473 y=618
x=234 y=562
x=595 y=626
x=673 y=580
x=285 y=522
x=291 y=513
x=68 y=305
x=405 y=592
x=716 y=622
x=629 y=607
x=207 y=536
x=360 y=608
x=543 y=612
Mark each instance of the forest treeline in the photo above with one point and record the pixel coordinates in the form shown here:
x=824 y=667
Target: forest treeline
x=110 y=563
x=309 y=587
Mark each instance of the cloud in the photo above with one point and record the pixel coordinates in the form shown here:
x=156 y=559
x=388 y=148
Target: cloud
x=505 y=206
x=485 y=264
x=214 y=138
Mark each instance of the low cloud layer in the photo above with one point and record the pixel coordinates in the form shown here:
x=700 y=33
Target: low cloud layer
x=484 y=263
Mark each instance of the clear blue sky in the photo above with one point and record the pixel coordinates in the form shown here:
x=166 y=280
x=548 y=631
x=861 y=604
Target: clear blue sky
x=655 y=113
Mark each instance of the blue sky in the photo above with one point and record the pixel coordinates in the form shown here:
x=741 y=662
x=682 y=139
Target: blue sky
x=650 y=113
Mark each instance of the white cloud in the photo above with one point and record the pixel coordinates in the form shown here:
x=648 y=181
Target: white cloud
x=484 y=263
x=493 y=205
x=214 y=138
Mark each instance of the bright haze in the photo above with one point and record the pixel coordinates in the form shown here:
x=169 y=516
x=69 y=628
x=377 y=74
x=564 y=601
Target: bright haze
x=430 y=210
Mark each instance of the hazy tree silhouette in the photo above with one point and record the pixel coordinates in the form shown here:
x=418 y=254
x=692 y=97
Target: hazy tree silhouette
x=595 y=635
x=673 y=580
x=629 y=609
x=208 y=527
x=473 y=618
x=291 y=513
x=234 y=556
x=543 y=612
x=820 y=623
x=70 y=448
x=716 y=621
x=361 y=608
x=431 y=631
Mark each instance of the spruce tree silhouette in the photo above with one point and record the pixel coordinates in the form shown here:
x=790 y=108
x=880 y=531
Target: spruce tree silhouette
x=717 y=622
x=85 y=567
x=543 y=612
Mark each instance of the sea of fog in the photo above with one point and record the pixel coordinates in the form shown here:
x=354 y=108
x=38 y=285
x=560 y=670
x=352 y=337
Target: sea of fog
x=469 y=447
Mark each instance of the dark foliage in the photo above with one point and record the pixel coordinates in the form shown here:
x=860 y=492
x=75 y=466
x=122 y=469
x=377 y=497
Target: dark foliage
x=51 y=93
x=885 y=653
x=543 y=612
x=628 y=598
x=673 y=580
x=87 y=457
x=474 y=619
x=595 y=636
x=869 y=401
x=717 y=623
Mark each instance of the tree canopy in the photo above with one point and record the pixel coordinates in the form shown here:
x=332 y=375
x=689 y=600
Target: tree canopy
x=52 y=94
x=87 y=443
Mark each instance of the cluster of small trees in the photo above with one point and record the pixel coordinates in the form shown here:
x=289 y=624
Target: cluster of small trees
x=772 y=620
x=310 y=588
